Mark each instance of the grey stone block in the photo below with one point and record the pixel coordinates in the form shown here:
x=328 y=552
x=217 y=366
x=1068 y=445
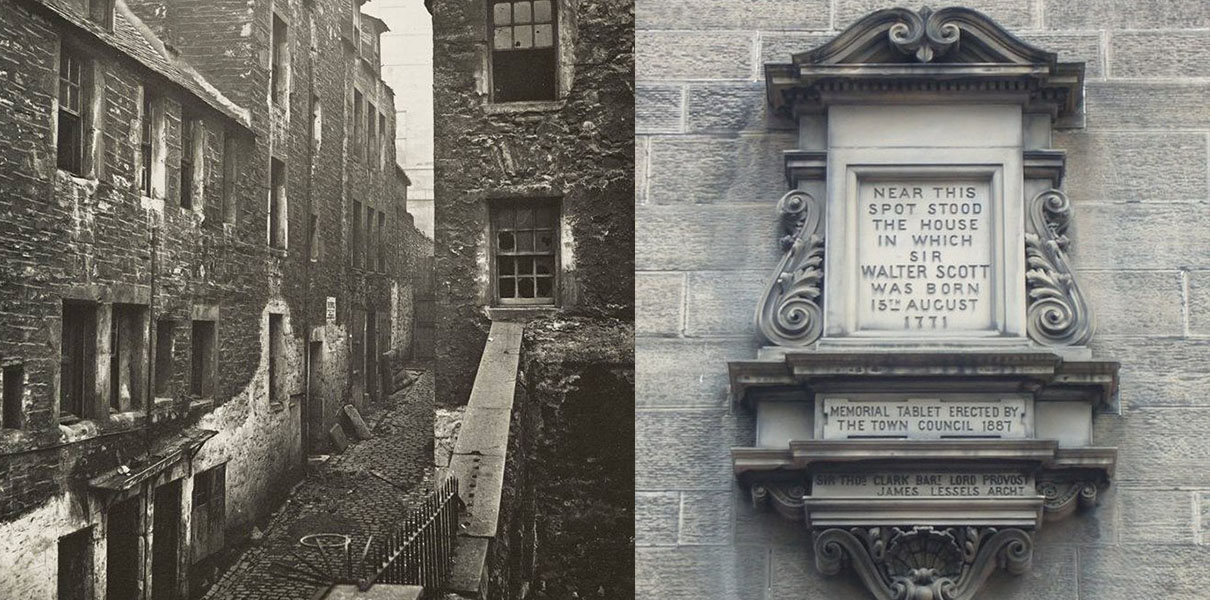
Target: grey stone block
x=1199 y=302
x=1150 y=516
x=708 y=170
x=663 y=55
x=1053 y=576
x=731 y=14
x=659 y=300
x=642 y=145
x=1072 y=47
x=1155 y=54
x=683 y=449
x=730 y=107
x=706 y=518
x=780 y=46
x=1146 y=105
x=1158 y=447
x=1150 y=166
x=1098 y=525
x=656 y=518
x=1153 y=571
x=1115 y=298
x=340 y=441
x=693 y=573
x=658 y=108
x=705 y=237
x=1159 y=372
x=1125 y=14
x=1164 y=236
x=793 y=576
x=723 y=303
x=1013 y=14
x=685 y=372
x=763 y=525
x=1203 y=511
x=355 y=424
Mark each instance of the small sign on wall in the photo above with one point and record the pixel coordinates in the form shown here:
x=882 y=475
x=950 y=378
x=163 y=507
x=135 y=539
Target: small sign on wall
x=331 y=313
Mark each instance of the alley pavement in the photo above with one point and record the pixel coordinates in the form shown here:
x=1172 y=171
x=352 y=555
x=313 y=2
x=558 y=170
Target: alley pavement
x=364 y=491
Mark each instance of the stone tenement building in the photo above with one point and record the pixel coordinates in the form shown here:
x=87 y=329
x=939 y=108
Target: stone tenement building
x=534 y=129
x=203 y=260
x=534 y=222
x=714 y=149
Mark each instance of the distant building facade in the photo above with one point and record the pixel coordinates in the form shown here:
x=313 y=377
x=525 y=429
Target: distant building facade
x=204 y=259
x=533 y=166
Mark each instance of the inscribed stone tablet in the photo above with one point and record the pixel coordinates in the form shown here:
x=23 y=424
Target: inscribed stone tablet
x=925 y=256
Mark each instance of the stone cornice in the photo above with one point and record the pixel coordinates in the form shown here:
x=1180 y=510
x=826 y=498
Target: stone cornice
x=1046 y=374
x=904 y=52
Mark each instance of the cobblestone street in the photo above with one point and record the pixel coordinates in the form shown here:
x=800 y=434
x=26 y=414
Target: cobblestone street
x=359 y=493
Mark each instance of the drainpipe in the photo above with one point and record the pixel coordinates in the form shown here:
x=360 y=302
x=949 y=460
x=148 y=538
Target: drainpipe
x=305 y=424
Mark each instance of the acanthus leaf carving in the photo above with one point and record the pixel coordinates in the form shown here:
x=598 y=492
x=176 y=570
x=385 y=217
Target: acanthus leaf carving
x=1057 y=314
x=923 y=563
x=790 y=312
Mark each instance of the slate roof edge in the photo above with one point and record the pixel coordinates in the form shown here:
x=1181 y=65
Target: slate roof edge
x=178 y=72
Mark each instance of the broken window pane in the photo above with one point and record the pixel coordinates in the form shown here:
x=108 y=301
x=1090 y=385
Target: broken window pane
x=525 y=250
x=523 y=51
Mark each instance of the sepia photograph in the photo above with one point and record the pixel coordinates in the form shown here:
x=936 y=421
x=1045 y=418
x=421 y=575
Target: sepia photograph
x=316 y=299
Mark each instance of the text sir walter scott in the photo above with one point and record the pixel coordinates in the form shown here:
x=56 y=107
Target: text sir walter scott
x=920 y=263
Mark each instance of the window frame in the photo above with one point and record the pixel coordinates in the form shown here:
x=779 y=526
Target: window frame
x=12 y=415
x=77 y=111
x=164 y=365
x=555 y=204
x=279 y=61
x=230 y=174
x=555 y=48
x=203 y=369
x=101 y=13
x=279 y=215
x=86 y=405
x=127 y=337
x=192 y=136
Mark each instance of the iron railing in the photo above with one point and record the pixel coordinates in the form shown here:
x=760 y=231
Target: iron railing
x=420 y=549
x=417 y=551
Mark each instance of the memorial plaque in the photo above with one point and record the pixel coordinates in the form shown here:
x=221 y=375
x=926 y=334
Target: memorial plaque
x=925 y=255
x=922 y=484
x=926 y=418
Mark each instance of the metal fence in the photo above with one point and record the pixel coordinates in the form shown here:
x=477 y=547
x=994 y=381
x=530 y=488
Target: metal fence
x=419 y=551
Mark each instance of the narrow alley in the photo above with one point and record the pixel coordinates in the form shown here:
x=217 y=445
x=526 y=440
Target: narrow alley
x=358 y=493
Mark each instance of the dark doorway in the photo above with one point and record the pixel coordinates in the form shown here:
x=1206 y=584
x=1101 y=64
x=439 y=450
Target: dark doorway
x=75 y=566
x=165 y=541
x=122 y=550
x=313 y=420
x=371 y=341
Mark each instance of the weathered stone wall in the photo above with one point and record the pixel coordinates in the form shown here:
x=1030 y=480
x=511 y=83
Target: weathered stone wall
x=578 y=148
x=710 y=173
x=567 y=515
x=97 y=239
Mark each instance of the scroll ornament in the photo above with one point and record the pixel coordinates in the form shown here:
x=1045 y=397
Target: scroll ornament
x=1057 y=314
x=923 y=563
x=790 y=311
x=925 y=34
x=1061 y=496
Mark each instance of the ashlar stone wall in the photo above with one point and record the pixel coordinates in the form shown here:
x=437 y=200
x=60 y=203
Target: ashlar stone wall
x=709 y=173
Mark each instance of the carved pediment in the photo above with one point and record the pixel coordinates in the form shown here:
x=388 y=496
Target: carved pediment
x=950 y=35
x=902 y=50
